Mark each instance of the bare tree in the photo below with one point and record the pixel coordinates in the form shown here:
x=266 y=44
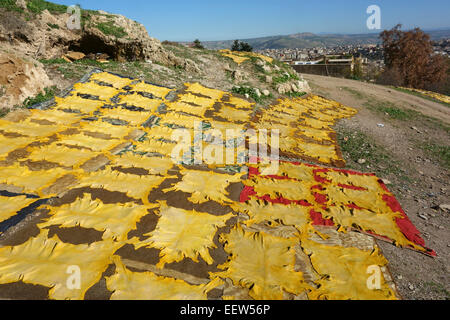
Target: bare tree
x=409 y=56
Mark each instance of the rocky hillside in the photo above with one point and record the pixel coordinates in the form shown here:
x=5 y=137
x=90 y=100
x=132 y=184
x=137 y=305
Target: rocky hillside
x=39 y=29
x=35 y=33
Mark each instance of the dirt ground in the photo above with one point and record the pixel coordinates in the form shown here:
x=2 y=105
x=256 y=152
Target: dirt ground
x=417 y=174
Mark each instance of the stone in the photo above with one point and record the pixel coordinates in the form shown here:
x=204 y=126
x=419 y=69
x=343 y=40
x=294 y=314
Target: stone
x=362 y=161
x=445 y=207
x=237 y=75
x=417 y=130
x=269 y=79
x=133 y=43
x=66 y=59
x=74 y=55
x=424 y=217
x=20 y=79
x=267 y=68
x=21 y=4
x=303 y=86
x=103 y=56
x=284 y=88
x=266 y=92
x=257 y=92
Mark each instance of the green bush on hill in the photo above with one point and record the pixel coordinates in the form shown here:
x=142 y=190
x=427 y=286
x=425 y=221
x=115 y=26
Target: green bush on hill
x=37 y=6
x=10 y=5
x=110 y=29
x=41 y=97
x=241 y=46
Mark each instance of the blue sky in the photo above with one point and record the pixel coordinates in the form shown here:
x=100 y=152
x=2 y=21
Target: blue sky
x=186 y=20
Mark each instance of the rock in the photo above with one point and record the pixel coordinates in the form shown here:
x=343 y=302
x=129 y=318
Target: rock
x=411 y=287
x=129 y=42
x=74 y=56
x=445 y=207
x=257 y=92
x=237 y=75
x=247 y=96
x=362 y=161
x=417 y=130
x=266 y=92
x=103 y=56
x=266 y=68
x=284 y=88
x=400 y=277
x=269 y=79
x=20 y=79
x=294 y=87
x=386 y=182
x=91 y=56
x=66 y=59
x=303 y=86
x=380 y=125
x=424 y=217
x=21 y=4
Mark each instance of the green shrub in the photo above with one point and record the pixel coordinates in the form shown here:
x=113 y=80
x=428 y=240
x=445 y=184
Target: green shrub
x=251 y=92
x=110 y=29
x=53 y=26
x=41 y=97
x=198 y=44
x=53 y=61
x=37 y=6
x=296 y=94
x=241 y=46
x=10 y=5
x=281 y=79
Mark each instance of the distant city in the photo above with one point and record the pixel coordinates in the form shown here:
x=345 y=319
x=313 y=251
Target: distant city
x=368 y=52
x=341 y=60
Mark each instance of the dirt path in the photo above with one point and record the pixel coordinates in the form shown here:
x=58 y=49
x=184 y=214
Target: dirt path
x=333 y=88
x=406 y=155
